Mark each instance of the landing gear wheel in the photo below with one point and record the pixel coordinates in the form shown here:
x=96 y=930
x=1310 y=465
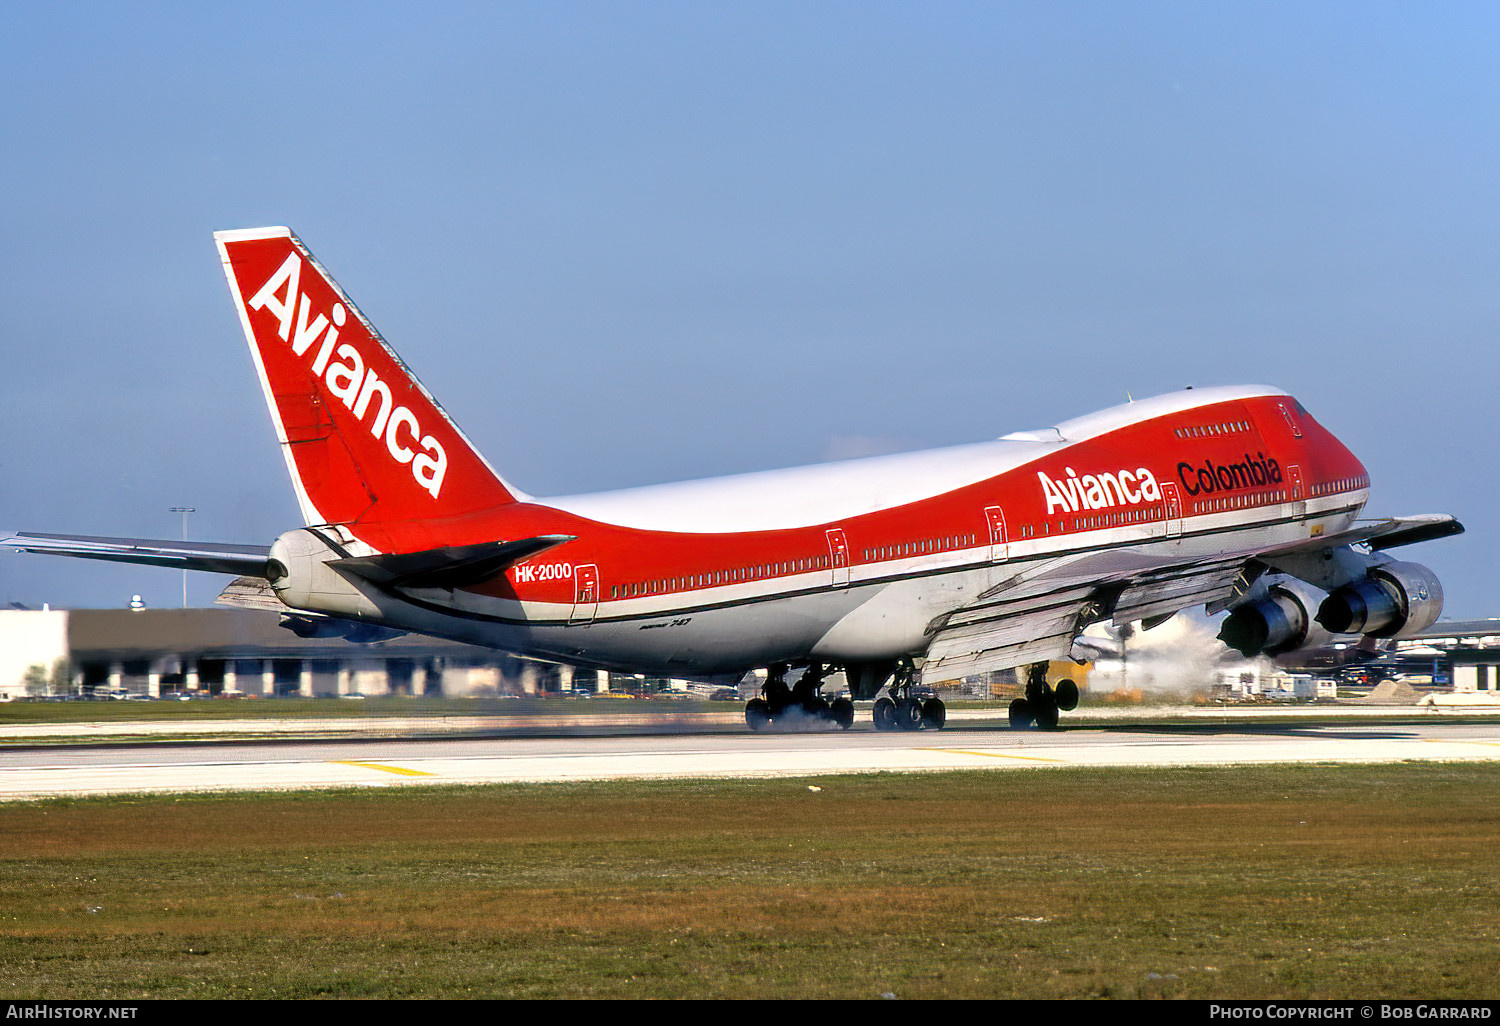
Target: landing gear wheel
x=1066 y=694
x=904 y=708
x=934 y=714
x=1046 y=715
x=842 y=713
x=909 y=714
x=1042 y=700
x=1021 y=715
x=817 y=708
x=757 y=714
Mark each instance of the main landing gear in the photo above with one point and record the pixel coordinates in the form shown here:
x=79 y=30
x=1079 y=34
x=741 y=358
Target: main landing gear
x=905 y=709
x=904 y=706
x=1042 y=701
x=798 y=705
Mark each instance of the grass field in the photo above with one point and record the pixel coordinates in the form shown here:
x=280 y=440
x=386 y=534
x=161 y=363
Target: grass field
x=321 y=708
x=1247 y=882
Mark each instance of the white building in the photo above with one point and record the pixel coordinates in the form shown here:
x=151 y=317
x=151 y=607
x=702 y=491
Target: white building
x=216 y=651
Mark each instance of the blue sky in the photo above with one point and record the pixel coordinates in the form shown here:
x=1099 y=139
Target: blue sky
x=628 y=243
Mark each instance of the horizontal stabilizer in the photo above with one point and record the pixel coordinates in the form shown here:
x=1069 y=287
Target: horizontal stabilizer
x=450 y=567
x=215 y=557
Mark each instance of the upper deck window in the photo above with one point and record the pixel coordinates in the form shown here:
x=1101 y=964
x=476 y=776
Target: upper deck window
x=1226 y=427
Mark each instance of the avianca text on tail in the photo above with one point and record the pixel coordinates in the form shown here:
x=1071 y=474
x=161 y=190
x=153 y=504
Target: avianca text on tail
x=364 y=441
x=349 y=380
x=866 y=580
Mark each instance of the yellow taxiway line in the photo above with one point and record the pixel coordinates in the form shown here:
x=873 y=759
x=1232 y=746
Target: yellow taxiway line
x=402 y=770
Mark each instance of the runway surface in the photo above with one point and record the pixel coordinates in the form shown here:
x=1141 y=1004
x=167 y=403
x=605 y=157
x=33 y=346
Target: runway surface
x=226 y=766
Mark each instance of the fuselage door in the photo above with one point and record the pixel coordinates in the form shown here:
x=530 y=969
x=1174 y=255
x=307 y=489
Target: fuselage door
x=838 y=556
x=585 y=593
x=999 y=545
x=1291 y=420
x=1298 y=491
x=1171 y=507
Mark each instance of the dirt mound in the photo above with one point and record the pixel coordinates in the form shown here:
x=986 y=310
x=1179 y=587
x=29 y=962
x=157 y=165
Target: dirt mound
x=1393 y=692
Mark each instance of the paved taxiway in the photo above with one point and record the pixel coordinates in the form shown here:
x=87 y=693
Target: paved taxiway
x=43 y=772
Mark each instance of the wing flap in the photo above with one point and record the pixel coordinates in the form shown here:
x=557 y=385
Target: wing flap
x=250 y=593
x=1042 y=617
x=1163 y=595
x=980 y=648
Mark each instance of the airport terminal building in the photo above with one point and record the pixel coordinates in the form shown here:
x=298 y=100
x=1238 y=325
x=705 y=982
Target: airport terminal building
x=227 y=651
x=1464 y=652
x=210 y=652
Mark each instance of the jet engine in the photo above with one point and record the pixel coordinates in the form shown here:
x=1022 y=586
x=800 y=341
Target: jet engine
x=1394 y=600
x=1279 y=621
x=299 y=572
x=333 y=627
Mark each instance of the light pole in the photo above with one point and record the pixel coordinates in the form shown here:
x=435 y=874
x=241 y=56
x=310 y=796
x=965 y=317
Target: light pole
x=184 y=510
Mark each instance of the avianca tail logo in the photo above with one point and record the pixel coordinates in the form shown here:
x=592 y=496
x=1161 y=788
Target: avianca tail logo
x=1098 y=491
x=343 y=370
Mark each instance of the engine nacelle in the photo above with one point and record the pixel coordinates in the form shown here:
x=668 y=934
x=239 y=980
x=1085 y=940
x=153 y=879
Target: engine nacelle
x=302 y=579
x=1280 y=621
x=332 y=627
x=1393 y=600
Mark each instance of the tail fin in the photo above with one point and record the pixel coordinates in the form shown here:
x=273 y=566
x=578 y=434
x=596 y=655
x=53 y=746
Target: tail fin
x=366 y=444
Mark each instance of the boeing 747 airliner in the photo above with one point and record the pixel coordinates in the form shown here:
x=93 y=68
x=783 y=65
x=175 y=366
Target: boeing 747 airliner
x=897 y=570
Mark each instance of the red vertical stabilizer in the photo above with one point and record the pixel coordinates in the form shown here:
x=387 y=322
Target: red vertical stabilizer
x=367 y=446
